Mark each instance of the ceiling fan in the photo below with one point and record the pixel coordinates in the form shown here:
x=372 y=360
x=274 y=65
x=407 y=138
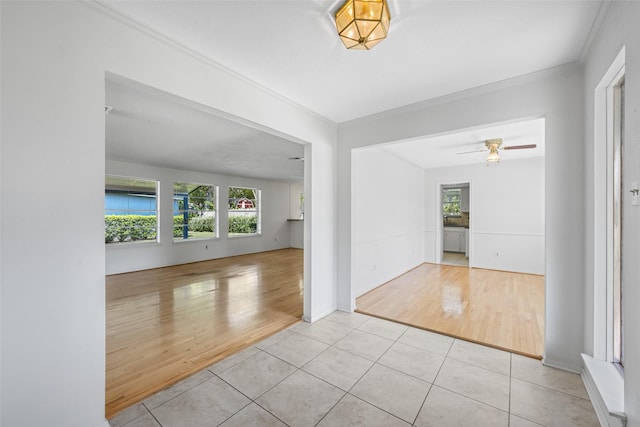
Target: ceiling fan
x=494 y=145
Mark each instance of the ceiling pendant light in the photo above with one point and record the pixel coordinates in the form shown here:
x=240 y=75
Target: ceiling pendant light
x=362 y=24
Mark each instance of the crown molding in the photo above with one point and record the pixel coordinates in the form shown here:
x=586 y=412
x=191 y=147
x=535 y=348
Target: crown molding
x=463 y=94
x=137 y=25
x=596 y=29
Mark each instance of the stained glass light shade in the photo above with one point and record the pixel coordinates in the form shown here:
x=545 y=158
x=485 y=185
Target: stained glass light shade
x=362 y=24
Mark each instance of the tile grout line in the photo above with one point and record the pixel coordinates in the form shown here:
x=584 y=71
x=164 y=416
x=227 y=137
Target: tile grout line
x=348 y=392
x=375 y=362
x=510 y=382
x=241 y=409
x=300 y=369
x=150 y=413
x=251 y=400
x=433 y=384
x=552 y=389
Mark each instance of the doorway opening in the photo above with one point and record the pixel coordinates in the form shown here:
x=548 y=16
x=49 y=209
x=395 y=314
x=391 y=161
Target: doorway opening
x=208 y=267
x=455 y=223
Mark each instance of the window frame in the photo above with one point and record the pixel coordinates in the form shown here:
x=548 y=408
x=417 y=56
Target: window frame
x=446 y=201
x=127 y=184
x=617 y=303
x=216 y=229
x=257 y=208
x=604 y=199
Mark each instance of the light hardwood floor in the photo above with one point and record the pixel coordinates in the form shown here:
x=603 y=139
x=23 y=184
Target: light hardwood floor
x=500 y=309
x=166 y=324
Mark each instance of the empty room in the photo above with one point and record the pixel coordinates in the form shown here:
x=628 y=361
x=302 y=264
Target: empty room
x=482 y=241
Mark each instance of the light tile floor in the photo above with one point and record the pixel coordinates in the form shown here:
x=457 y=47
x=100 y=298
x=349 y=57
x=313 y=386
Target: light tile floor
x=455 y=258
x=356 y=370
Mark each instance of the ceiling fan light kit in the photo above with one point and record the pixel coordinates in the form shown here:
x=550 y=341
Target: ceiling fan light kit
x=494 y=145
x=362 y=24
x=493 y=157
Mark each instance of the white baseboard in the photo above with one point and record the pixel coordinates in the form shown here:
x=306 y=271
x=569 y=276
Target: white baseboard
x=560 y=365
x=318 y=316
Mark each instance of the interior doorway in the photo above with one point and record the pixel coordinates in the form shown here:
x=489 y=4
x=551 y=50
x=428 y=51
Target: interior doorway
x=455 y=224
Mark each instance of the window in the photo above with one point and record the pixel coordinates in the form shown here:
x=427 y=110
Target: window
x=194 y=211
x=609 y=255
x=618 y=288
x=244 y=211
x=451 y=198
x=130 y=210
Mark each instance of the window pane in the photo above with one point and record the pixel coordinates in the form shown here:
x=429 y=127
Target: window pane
x=618 y=164
x=451 y=198
x=244 y=211
x=130 y=209
x=194 y=211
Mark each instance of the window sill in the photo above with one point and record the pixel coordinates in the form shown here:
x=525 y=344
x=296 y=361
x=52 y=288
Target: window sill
x=196 y=239
x=608 y=383
x=134 y=244
x=239 y=236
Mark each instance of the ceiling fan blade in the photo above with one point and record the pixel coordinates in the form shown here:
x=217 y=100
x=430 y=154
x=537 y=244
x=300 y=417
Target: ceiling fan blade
x=519 y=147
x=474 y=151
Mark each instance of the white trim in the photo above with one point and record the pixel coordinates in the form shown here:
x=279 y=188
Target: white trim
x=439 y=231
x=560 y=365
x=125 y=19
x=501 y=233
x=602 y=249
x=321 y=315
x=605 y=386
x=463 y=94
x=595 y=29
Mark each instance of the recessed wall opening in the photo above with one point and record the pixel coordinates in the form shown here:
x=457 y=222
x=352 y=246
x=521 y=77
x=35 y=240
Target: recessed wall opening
x=444 y=211
x=204 y=238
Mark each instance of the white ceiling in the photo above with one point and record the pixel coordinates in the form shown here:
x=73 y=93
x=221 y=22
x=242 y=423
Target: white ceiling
x=153 y=127
x=434 y=48
x=453 y=149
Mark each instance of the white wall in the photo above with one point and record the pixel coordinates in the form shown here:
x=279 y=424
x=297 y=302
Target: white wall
x=620 y=29
x=275 y=234
x=54 y=56
x=388 y=217
x=555 y=95
x=506 y=217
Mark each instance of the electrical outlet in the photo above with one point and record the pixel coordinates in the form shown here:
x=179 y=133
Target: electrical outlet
x=497 y=253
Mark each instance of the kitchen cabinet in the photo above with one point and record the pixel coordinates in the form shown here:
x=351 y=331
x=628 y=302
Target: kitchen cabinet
x=454 y=239
x=451 y=241
x=464 y=199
